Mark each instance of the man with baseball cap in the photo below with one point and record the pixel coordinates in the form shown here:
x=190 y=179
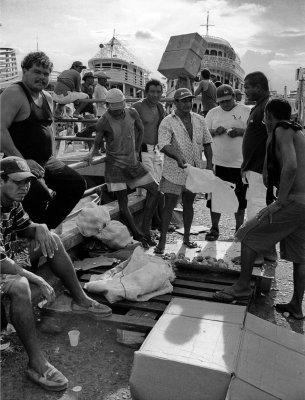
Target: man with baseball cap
x=227 y=124
x=15 y=180
x=68 y=89
x=100 y=92
x=181 y=137
x=123 y=130
x=88 y=87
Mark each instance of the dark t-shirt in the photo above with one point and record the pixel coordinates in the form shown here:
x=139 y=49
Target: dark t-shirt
x=255 y=137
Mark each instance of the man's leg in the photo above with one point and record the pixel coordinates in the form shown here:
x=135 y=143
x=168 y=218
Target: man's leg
x=69 y=187
x=294 y=307
x=126 y=214
x=151 y=204
x=170 y=204
x=188 y=213
x=239 y=219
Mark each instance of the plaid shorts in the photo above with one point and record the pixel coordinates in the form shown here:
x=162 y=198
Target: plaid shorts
x=170 y=187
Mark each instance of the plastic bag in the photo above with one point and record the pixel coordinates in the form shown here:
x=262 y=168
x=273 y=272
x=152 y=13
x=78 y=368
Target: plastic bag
x=199 y=180
x=115 y=235
x=92 y=219
x=139 y=278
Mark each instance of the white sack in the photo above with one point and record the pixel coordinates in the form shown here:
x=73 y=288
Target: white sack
x=115 y=235
x=199 y=180
x=92 y=219
x=139 y=278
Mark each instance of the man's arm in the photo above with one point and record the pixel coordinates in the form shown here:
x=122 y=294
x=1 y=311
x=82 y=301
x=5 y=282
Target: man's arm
x=199 y=89
x=165 y=140
x=100 y=133
x=42 y=236
x=8 y=266
x=139 y=129
x=286 y=150
x=208 y=153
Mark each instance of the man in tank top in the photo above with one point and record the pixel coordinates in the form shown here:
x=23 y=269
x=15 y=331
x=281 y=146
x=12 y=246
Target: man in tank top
x=123 y=130
x=26 y=132
x=207 y=89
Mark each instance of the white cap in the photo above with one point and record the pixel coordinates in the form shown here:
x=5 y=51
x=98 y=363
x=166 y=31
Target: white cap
x=115 y=99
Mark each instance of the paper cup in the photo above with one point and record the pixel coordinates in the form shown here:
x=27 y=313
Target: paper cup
x=74 y=337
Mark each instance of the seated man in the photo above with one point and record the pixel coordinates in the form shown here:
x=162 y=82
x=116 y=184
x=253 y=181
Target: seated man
x=283 y=220
x=14 y=280
x=123 y=131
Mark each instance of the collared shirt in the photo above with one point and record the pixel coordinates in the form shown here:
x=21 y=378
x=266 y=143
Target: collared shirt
x=255 y=138
x=100 y=94
x=173 y=132
x=13 y=219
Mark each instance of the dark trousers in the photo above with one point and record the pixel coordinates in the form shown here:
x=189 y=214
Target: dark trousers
x=51 y=209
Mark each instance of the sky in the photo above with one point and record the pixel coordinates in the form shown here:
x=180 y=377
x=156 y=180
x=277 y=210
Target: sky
x=268 y=35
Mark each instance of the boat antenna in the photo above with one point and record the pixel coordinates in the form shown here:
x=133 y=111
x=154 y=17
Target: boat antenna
x=112 y=42
x=207 y=24
x=37 y=42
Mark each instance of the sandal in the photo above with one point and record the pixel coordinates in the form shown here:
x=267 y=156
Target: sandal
x=190 y=244
x=159 y=250
x=52 y=379
x=212 y=235
x=95 y=309
x=149 y=240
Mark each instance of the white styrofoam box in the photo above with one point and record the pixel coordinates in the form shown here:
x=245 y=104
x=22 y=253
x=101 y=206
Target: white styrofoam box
x=191 y=41
x=184 y=62
x=240 y=390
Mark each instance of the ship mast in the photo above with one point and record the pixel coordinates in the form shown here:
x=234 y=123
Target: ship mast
x=207 y=24
x=112 y=42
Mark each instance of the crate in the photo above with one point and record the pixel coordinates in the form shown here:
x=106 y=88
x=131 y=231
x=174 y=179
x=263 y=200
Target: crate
x=178 y=63
x=192 y=41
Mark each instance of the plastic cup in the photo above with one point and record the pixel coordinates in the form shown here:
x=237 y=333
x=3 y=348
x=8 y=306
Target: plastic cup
x=74 y=337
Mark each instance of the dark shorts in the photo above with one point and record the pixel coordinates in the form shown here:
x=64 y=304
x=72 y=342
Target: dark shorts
x=287 y=227
x=233 y=175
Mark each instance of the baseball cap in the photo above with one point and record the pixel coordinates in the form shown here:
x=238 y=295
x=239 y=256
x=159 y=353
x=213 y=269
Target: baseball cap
x=101 y=74
x=182 y=93
x=224 y=92
x=16 y=168
x=88 y=75
x=115 y=99
x=237 y=91
x=78 y=64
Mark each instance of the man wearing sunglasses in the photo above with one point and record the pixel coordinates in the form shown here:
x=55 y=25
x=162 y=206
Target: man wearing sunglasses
x=182 y=135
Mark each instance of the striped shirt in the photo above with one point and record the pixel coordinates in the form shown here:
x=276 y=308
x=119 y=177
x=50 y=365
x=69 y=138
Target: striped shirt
x=13 y=219
x=173 y=132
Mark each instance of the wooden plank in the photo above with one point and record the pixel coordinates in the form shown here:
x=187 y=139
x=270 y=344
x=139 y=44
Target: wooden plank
x=193 y=294
x=131 y=323
x=145 y=306
x=198 y=285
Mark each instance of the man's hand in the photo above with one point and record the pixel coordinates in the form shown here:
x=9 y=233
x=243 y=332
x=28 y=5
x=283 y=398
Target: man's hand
x=181 y=163
x=45 y=240
x=47 y=290
x=35 y=168
x=269 y=211
x=233 y=132
x=220 y=130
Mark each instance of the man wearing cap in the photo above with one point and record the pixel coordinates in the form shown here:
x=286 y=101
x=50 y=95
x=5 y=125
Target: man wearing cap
x=68 y=89
x=26 y=131
x=88 y=87
x=238 y=95
x=181 y=137
x=123 y=131
x=15 y=181
x=207 y=89
x=227 y=124
x=100 y=92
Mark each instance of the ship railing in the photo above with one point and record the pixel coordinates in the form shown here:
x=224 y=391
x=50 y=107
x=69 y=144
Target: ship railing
x=123 y=75
x=222 y=63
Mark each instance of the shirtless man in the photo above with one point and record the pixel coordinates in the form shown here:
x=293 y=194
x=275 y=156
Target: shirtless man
x=284 y=219
x=26 y=132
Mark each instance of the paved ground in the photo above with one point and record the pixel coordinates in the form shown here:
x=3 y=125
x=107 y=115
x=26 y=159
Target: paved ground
x=100 y=364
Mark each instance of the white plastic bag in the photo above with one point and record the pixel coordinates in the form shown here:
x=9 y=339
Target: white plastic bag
x=139 y=278
x=199 y=180
x=224 y=199
x=92 y=219
x=115 y=235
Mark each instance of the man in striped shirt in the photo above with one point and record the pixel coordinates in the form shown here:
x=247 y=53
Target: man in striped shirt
x=14 y=280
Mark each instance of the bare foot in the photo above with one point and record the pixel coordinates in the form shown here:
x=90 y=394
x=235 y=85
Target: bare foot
x=289 y=308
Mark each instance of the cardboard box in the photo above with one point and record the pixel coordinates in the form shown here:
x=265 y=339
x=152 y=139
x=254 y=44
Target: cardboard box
x=212 y=351
x=191 y=41
x=185 y=63
x=190 y=353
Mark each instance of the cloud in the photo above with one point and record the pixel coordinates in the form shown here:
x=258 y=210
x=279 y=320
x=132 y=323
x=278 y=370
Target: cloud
x=144 y=35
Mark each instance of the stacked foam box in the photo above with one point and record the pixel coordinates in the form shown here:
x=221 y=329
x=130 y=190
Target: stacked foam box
x=182 y=56
x=209 y=351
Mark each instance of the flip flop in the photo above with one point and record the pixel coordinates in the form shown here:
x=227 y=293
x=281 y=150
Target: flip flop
x=190 y=244
x=95 y=309
x=159 y=250
x=285 y=308
x=224 y=296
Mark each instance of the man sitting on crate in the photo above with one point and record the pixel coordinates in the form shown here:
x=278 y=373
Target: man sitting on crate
x=15 y=182
x=123 y=130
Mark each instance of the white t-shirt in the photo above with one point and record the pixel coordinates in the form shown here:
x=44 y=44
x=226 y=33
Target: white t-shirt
x=227 y=152
x=100 y=94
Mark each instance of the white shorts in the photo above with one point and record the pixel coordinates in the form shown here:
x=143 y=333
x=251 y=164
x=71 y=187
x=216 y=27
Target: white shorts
x=152 y=161
x=70 y=97
x=132 y=184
